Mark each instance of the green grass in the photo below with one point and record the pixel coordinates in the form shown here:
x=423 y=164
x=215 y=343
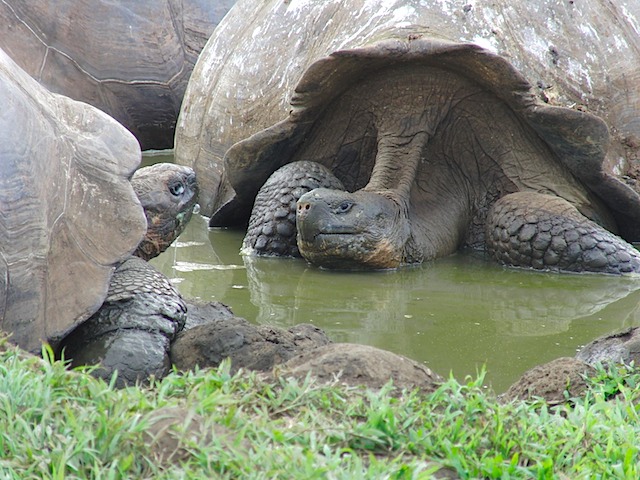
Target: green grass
x=58 y=424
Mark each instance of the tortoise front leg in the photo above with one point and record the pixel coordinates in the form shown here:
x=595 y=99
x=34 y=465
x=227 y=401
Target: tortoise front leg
x=132 y=331
x=272 y=225
x=545 y=232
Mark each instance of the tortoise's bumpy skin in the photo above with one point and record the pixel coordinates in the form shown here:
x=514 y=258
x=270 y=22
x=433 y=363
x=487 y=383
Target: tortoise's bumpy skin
x=272 y=226
x=540 y=231
x=132 y=331
x=168 y=194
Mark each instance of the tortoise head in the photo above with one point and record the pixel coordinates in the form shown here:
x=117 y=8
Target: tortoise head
x=168 y=194
x=342 y=230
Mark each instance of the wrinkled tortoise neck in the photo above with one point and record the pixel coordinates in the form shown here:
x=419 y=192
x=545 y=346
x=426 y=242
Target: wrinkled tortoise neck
x=398 y=160
x=396 y=164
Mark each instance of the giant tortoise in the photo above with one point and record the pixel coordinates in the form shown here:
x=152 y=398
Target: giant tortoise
x=70 y=215
x=142 y=313
x=130 y=59
x=440 y=144
x=68 y=211
x=583 y=55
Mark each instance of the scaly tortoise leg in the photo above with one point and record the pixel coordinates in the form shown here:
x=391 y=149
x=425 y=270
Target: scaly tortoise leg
x=272 y=226
x=545 y=232
x=132 y=332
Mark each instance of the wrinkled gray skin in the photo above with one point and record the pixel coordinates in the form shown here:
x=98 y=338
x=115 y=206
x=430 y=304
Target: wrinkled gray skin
x=143 y=312
x=441 y=146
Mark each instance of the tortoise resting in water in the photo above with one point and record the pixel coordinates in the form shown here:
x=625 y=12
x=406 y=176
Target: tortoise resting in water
x=143 y=312
x=439 y=145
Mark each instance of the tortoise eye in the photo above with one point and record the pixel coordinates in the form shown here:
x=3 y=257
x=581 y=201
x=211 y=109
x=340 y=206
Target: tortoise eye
x=344 y=206
x=176 y=189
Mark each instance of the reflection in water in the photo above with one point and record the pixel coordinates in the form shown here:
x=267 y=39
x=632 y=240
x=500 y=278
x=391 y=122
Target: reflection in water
x=454 y=314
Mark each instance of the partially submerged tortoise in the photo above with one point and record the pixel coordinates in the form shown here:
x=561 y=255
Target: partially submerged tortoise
x=130 y=59
x=70 y=217
x=440 y=145
x=583 y=55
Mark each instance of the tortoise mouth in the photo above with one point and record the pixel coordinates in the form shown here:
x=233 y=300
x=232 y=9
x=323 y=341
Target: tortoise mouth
x=317 y=221
x=189 y=207
x=311 y=235
x=183 y=218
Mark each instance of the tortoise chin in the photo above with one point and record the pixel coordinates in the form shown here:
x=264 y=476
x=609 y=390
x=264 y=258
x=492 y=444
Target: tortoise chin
x=350 y=252
x=350 y=231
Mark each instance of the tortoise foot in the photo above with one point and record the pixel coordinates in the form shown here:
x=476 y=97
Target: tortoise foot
x=546 y=232
x=135 y=355
x=272 y=225
x=132 y=331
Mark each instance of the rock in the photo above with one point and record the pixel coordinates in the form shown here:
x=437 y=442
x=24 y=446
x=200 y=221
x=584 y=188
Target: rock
x=620 y=347
x=250 y=347
x=169 y=427
x=358 y=365
x=555 y=382
x=199 y=313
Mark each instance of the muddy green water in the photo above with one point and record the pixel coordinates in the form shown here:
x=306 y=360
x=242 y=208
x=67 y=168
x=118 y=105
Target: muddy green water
x=455 y=314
